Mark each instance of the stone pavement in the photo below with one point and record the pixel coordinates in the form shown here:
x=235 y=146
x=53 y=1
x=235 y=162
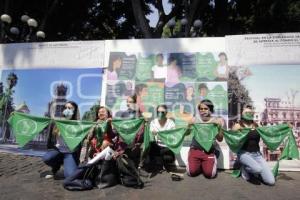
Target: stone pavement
x=20 y=179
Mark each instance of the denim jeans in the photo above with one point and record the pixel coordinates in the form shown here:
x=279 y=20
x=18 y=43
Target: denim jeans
x=254 y=163
x=55 y=159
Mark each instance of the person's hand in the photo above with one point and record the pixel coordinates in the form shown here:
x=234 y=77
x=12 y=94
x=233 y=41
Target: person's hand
x=116 y=155
x=237 y=127
x=90 y=136
x=109 y=120
x=191 y=121
x=154 y=132
x=289 y=124
x=181 y=109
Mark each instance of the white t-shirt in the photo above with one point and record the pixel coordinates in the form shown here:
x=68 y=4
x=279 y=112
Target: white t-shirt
x=159 y=71
x=156 y=127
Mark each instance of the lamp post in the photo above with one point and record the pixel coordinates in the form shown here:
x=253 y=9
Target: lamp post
x=197 y=26
x=27 y=32
x=183 y=23
x=194 y=31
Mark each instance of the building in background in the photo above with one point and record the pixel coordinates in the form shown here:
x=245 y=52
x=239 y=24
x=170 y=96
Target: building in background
x=278 y=112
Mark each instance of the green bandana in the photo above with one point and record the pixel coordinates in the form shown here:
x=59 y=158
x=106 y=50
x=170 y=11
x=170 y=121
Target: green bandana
x=248 y=116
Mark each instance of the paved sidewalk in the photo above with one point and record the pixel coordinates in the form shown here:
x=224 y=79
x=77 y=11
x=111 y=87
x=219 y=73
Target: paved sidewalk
x=20 y=179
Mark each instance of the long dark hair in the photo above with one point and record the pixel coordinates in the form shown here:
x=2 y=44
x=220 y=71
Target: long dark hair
x=107 y=111
x=76 y=115
x=208 y=103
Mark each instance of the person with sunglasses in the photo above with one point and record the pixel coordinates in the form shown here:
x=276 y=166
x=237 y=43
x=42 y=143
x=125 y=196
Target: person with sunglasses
x=160 y=156
x=200 y=160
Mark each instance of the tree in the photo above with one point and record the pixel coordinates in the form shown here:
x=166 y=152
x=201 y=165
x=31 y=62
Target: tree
x=92 y=113
x=6 y=104
x=238 y=97
x=122 y=19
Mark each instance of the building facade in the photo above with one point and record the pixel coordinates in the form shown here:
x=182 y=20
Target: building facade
x=278 y=112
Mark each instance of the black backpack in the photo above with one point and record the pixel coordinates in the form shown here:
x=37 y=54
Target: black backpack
x=102 y=175
x=129 y=175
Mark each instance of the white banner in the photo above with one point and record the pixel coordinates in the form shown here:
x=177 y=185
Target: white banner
x=52 y=54
x=275 y=48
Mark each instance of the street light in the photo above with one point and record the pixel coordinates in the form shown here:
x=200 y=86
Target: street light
x=198 y=26
x=25 y=33
x=183 y=23
x=194 y=32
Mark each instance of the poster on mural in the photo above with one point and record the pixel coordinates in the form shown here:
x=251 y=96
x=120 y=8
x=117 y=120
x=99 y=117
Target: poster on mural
x=269 y=80
x=178 y=80
x=41 y=87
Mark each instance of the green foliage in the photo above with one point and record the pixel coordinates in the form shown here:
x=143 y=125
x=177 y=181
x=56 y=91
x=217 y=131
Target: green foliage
x=121 y=19
x=91 y=114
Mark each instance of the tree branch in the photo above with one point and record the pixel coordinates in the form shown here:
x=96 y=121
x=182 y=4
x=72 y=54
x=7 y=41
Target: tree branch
x=190 y=17
x=163 y=19
x=140 y=18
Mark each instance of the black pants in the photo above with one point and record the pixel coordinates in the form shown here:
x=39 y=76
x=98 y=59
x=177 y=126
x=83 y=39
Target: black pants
x=160 y=157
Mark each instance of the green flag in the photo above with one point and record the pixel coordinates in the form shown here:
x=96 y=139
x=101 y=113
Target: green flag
x=273 y=135
x=205 y=134
x=26 y=127
x=290 y=151
x=73 y=132
x=147 y=138
x=100 y=129
x=293 y=151
x=173 y=138
x=127 y=129
x=236 y=139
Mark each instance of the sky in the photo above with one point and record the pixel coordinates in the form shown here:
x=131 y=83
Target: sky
x=273 y=81
x=153 y=17
x=35 y=87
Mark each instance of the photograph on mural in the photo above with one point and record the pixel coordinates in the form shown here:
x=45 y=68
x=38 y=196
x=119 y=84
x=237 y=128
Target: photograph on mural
x=178 y=80
x=44 y=93
x=116 y=95
x=275 y=99
x=121 y=66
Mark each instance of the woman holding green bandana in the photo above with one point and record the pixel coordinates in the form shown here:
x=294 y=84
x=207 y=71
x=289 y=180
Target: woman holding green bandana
x=160 y=156
x=253 y=166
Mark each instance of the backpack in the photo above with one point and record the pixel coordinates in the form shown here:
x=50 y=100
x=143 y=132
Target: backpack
x=128 y=173
x=102 y=175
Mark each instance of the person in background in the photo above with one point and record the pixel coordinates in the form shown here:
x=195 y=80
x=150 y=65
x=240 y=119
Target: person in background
x=188 y=106
x=222 y=70
x=203 y=90
x=133 y=151
x=159 y=71
x=115 y=63
x=141 y=90
x=173 y=71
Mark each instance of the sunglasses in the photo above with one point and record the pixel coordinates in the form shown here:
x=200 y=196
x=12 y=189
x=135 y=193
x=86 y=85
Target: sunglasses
x=163 y=112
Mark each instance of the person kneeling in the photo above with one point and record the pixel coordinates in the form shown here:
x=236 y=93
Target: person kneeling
x=200 y=160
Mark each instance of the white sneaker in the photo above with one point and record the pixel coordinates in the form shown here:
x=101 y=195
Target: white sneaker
x=49 y=176
x=244 y=173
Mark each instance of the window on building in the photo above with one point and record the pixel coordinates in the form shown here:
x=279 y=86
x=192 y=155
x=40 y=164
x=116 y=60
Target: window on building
x=284 y=115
